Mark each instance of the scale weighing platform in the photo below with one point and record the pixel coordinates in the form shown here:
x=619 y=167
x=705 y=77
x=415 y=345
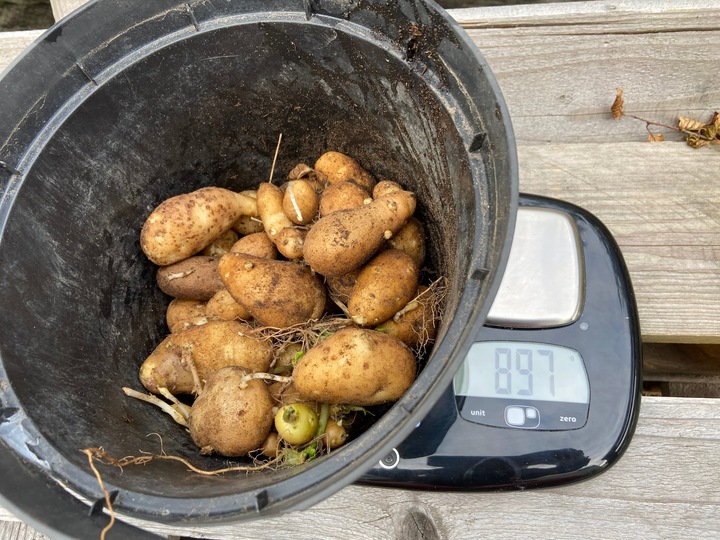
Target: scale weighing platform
x=549 y=392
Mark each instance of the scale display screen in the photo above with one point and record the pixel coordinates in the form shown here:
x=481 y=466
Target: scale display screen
x=523 y=385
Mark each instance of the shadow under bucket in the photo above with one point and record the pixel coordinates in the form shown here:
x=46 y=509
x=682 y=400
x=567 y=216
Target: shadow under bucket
x=127 y=103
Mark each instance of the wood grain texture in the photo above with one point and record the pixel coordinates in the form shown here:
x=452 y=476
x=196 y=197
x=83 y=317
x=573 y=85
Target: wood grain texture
x=61 y=8
x=558 y=65
x=661 y=201
x=15 y=530
x=663 y=487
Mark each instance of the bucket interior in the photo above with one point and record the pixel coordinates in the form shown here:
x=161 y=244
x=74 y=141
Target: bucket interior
x=81 y=308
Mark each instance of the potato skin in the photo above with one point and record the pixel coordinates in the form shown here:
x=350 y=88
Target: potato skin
x=229 y=420
x=213 y=345
x=385 y=187
x=195 y=278
x=343 y=241
x=276 y=293
x=337 y=167
x=300 y=202
x=355 y=366
x=183 y=225
x=385 y=285
x=221 y=245
x=180 y=311
x=342 y=196
x=257 y=245
x=411 y=240
x=417 y=326
x=223 y=306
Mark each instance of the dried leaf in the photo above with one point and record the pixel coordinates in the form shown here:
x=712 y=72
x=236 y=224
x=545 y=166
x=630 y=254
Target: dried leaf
x=617 y=106
x=690 y=124
x=653 y=137
x=716 y=121
x=695 y=141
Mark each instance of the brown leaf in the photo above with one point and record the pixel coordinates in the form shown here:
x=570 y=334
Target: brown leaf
x=716 y=121
x=656 y=137
x=709 y=132
x=695 y=141
x=690 y=124
x=617 y=106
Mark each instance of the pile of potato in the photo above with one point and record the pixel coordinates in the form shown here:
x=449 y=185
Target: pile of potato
x=292 y=305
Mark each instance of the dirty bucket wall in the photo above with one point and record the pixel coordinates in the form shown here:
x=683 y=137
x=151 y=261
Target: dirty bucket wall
x=140 y=111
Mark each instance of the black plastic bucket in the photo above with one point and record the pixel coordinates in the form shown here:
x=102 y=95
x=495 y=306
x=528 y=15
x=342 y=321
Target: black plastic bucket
x=126 y=103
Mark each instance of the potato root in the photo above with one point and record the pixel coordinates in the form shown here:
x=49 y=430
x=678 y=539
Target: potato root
x=208 y=348
x=416 y=323
x=232 y=416
x=355 y=366
x=300 y=202
x=183 y=225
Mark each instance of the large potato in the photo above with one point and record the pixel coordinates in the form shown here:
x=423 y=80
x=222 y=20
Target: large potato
x=383 y=287
x=355 y=366
x=211 y=346
x=276 y=293
x=195 y=278
x=183 y=225
x=343 y=241
x=231 y=417
x=337 y=167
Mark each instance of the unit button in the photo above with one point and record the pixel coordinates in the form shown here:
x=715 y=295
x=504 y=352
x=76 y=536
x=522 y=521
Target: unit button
x=522 y=416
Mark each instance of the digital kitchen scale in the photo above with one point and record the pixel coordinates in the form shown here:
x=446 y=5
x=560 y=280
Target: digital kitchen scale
x=549 y=392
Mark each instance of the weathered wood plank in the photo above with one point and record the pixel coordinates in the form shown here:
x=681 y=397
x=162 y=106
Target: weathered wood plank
x=13 y=43
x=661 y=488
x=661 y=201
x=15 y=530
x=61 y=8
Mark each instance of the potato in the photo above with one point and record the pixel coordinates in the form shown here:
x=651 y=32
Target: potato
x=343 y=241
x=411 y=240
x=287 y=394
x=342 y=196
x=195 y=278
x=276 y=293
x=285 y=358
x=290 y=242
x=223 y=306
x=231 y=418
x=337 y=167
x=183 y=225
x=341 y=287
x=355 y=366
x=248 y=225
x=180 y=311
x=277 y=225
x=307 y=173
x=212 y=346
x=257 y=245
x=300 y=202
x=385 y=187
x=221 y=245
x=383 y=287
x=417 y=324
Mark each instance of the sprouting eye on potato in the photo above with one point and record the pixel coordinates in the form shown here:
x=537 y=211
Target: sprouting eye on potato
x=291 y=304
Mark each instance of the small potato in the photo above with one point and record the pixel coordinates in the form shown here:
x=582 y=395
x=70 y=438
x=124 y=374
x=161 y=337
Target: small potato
x=270 y=209
x=223 y=306
x=276 y=293
x=385 y=187
x=195 y=278
x=337 y=167
x=300 y=202
x=231 y=417
x=417 y=324
x=257 y=245
x=343 y=241
x=248 y=225
x=290 y=242
x=221 y=245
x=335 y=434
x=384 y=286
x=341 y=287
x=342 y=196
x=411 y=240
x=355 y=366
x=183 y=225
x=180 y=311
x=210 y=347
